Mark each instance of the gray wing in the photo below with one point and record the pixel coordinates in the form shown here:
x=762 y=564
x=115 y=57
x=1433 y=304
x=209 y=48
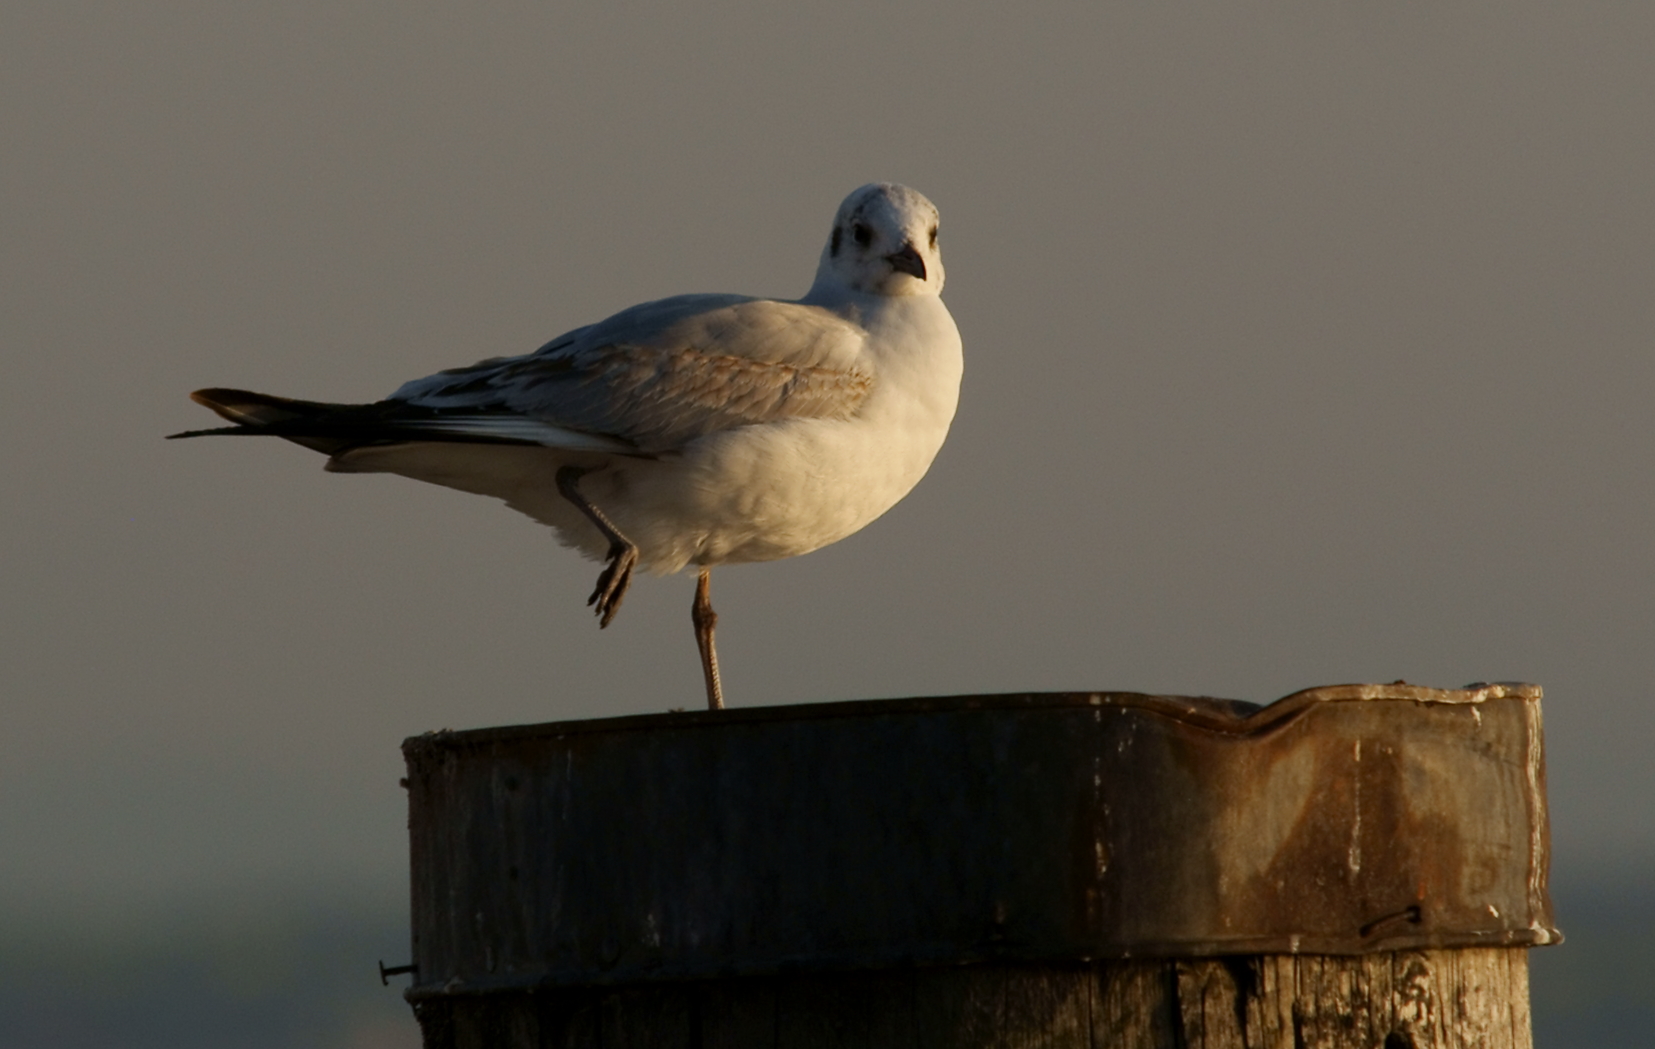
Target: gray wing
x=663 y=373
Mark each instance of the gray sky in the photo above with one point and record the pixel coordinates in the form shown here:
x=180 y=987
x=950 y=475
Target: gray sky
x=1305 y=343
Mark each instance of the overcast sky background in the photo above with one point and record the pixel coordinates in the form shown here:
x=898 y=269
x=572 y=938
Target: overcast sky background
x=1305 y=343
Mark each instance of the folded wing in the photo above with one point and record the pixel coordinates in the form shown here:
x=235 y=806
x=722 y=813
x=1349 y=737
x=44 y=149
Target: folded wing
x=661 y=374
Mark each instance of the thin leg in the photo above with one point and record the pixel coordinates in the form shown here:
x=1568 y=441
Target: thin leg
x=623 y=555
x=702 y=614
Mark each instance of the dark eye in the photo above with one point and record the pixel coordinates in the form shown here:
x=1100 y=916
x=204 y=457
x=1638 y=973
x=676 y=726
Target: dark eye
x=863 y=235
x=933 y=236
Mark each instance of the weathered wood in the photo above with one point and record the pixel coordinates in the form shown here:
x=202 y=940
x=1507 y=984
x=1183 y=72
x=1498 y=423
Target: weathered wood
x=1133 y=1006
x=1447 y=999
x=851 y=1010
x=1021 y=1007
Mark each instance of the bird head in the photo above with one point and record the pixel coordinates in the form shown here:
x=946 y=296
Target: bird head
x=884 y=242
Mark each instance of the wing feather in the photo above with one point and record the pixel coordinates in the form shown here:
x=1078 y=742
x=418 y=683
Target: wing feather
x=663 y=373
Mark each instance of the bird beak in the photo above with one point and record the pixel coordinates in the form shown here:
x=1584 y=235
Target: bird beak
x=907 y=261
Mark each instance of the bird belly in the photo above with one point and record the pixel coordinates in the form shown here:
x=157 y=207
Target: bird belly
x=753 y=494
x=762 y=493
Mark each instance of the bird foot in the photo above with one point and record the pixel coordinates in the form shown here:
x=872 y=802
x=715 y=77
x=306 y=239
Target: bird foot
x=612 y=584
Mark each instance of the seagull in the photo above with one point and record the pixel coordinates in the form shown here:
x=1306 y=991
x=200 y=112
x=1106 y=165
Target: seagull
x=696 y=430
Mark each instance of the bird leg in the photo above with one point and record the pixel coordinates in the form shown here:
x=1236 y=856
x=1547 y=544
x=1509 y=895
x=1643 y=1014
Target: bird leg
x=704 y=618
x=623 y=553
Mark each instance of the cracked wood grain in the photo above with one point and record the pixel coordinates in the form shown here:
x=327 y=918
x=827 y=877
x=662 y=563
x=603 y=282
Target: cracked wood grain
x=1442 y=999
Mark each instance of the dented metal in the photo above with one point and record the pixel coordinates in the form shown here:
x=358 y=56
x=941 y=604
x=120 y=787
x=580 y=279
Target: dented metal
x=1052 y=827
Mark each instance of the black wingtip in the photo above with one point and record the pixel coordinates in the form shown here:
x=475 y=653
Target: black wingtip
x=214 y=432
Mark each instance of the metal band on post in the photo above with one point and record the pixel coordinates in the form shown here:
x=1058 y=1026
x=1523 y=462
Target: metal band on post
x=1104 y=866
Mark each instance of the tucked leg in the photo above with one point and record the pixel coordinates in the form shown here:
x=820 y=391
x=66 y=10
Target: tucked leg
x=702 y=614
x=623 y=555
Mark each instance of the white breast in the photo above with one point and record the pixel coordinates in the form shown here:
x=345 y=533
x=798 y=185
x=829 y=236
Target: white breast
x=759 y=493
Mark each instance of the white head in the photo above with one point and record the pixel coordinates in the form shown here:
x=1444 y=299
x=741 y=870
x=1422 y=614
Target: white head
x=884 y=242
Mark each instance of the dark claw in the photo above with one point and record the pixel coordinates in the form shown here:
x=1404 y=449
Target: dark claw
x=612 y=584
x=623 y=556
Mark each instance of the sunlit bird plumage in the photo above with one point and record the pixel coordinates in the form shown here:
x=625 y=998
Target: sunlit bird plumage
x=696 y=430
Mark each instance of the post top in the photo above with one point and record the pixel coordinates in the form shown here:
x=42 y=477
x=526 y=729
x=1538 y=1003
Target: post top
x=931 y=831
x=1226 y=716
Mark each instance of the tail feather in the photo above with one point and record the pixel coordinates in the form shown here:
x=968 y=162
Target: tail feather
x=337 y=428
x=246 y=408
x=317 y=425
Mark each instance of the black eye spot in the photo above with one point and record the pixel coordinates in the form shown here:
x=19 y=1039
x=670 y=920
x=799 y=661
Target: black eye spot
x=833 y=245
x=863 y=235
x=933 y=236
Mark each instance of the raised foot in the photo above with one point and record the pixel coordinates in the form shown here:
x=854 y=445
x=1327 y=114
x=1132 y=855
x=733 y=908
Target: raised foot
x=623 y=556
x=612 y=584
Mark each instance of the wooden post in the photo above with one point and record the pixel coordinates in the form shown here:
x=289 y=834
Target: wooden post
x=1356 y=866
